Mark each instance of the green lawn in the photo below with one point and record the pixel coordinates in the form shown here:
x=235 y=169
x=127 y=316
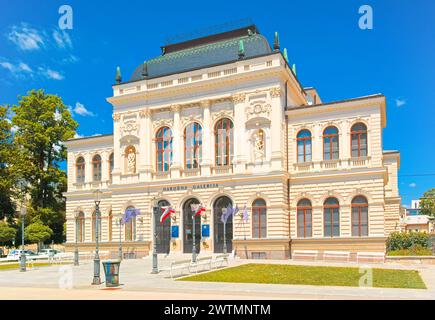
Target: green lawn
x=308 y=275
x=17 y=265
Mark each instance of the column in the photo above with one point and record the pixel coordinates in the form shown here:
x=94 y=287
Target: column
x=206 y=140
x=144 y=145
x=88 y=170
x=116 y=174
x=148 y=143
x=240 y=140
x=316 y=146
x=276 y=128
x=105 y=167
x=177 y=143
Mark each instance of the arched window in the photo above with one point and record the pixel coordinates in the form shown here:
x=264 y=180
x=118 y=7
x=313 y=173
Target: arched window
x=130 y=159
x=163 y=149
x=358 y=134
x=192 y=145
x=259 y=219
x=80 y=225
x=360 y=216
x=111 y=165
x=110 y=225
x=80 y=170
x=330 y=143
x=95 y=225
x=96 y=168
x=304 y=146
x=304 y=218
x=130 y=228
x=224 y=145
x=331 y=218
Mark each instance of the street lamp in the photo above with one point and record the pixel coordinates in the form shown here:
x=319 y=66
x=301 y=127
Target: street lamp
x=23 y=255
x=76 y=249
x=194 y=208
x=155 y=269
x=224 y=212
x=97 y=200
x=120 y=234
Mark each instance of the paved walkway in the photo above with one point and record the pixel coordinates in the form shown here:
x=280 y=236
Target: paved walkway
x=69 y=282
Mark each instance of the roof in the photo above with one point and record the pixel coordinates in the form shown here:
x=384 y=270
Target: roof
x=203 y=52
x=420 y=219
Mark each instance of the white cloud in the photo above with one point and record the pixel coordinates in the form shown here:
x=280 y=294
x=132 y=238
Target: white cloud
x=412 y=184
x=50 y=73
x=16 y=69
x=24 y=67
x=400 y=102
x=81 y=110
x=62 y=39
x=25 y=37
x=70 y=59
x=14 y=129
x=78 y=136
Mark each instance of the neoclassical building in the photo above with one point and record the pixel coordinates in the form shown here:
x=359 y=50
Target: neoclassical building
x=223 y=120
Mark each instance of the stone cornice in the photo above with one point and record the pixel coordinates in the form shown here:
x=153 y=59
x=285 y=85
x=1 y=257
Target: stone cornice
x=351 y=104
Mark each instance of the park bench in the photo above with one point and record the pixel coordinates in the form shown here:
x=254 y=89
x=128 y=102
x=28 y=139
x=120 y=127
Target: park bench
x=305 y=253
x=336 y=254
x=220 y=259
x=203 y=261
x=178 y=265
x=371 y=256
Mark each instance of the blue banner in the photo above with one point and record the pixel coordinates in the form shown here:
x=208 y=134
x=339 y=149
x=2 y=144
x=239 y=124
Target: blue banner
x=174 y=232
x=205 y=231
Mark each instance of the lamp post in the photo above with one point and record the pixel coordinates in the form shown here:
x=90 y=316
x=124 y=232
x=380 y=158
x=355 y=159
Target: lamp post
x=97 y=199
x=23 y=255
x=194 y=208
x=155 y=269
x=76 y=249
x=224 y=212
x=120 y=234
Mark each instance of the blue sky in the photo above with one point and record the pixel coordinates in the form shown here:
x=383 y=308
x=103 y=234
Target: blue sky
x=396 y=58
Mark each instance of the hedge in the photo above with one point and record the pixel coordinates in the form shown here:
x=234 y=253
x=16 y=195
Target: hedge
x=399 y=241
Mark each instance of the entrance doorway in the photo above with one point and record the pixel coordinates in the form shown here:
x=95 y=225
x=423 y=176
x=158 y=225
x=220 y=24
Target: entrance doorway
x=163 y=229
x=218 y=226
x=188 y=221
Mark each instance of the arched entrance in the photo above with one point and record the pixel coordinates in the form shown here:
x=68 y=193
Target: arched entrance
x=163 y=229
x=218 y=226
x=188 y=227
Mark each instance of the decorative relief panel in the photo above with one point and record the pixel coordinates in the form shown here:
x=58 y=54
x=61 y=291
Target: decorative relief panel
x=163 y=122
x=145 y=113
x=275 y=92
x=239 y=97
x=258 y=109
x=222 y=114
x=130 y=127
x=190 y=118
x=116 y=116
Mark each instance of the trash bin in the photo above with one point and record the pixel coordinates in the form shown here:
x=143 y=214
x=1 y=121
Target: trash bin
x=111 y=271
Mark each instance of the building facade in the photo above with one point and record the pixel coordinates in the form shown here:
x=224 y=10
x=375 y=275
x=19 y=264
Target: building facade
x=223 y=120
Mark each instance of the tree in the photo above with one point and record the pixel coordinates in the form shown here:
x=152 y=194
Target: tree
x=427 y=203
x=43 y=123
x=7 y=233
x=37 y=232
x=7 y=181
